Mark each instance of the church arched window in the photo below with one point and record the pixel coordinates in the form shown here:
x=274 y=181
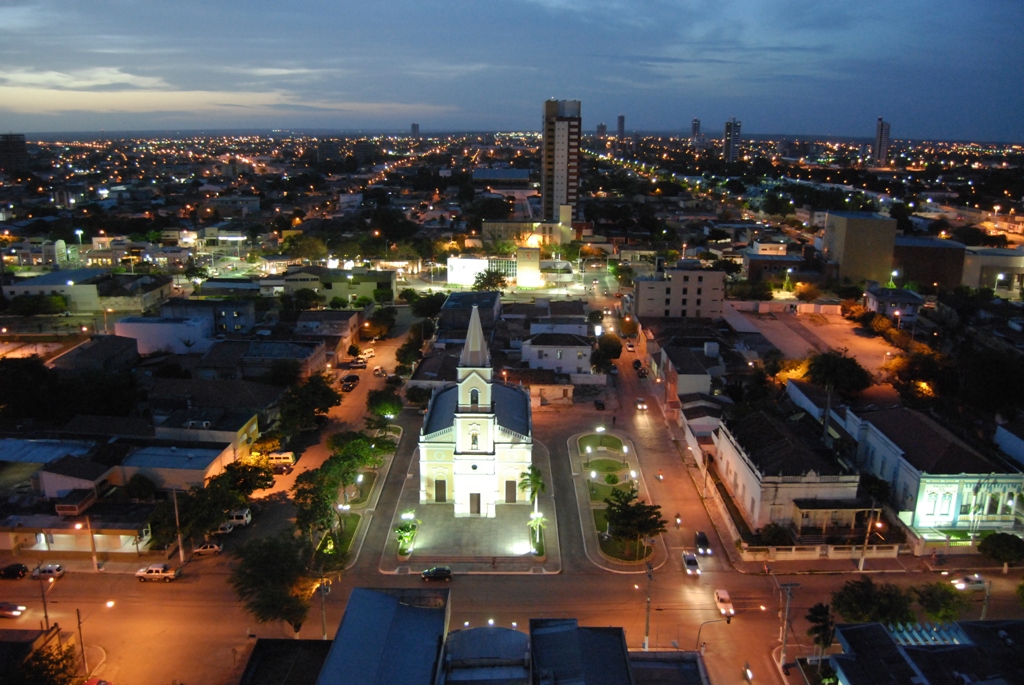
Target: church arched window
x=474 y=397
x=474 y=440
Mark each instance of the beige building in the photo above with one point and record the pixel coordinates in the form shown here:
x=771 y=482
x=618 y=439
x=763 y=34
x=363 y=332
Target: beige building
x=686 y=293
x=860 y=244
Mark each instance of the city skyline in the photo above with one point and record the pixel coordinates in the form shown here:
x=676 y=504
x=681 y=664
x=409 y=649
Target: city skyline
x=793 y=68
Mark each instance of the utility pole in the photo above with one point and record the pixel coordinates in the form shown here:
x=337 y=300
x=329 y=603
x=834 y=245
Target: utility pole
x=867 y=537
x=324 y=589
x=984 y=604
x=647 y=621
x=85 y=662
x=42 y=593
x=788 y=589
x=177 y=525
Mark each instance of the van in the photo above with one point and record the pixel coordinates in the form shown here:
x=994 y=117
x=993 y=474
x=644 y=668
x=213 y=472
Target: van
x=367 y=353
x=241 y=517
x=281 y=458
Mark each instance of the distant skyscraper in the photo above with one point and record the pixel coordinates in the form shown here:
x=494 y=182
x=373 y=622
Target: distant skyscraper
x=602 y=130
x=622 y=127
x=731 y=141
x=695 y=130
x=881 y=151
x=559 y=174
x=415 y=130
x=13 y=153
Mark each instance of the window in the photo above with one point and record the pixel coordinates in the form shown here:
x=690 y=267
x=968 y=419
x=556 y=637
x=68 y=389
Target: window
x=558 y=354
x=683 y=314
x=700 y=279
x=667 y=313
x=668 y=289
x=668 y=301
x=947 y=502
x=932 y=502
x=699 y=290
x=685 y=291
x=686 y=279
x=698 y=302
x=474 y=397
x=474 y=441
x=579 y=354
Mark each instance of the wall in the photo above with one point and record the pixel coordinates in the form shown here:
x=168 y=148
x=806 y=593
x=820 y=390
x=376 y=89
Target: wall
x=160 y=335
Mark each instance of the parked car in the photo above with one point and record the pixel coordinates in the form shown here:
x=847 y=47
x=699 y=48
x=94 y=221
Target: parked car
x=208 y=548
x=700 y=541
x=615 y=371
x=282 y=469
x=642 y=373
x=158 y=572
x=637 y=364
x=437 y=573
x=724 y=603
x=368 y=353
x=641 y=404
x=275 y=458
x=349 y=382
x=357 y=364
x=599 y=404
x=14 y=571
x=8 y=610
x=224 y=529
x=973 y=582
x=379 y=371
x=240 y=518
x=52 y=571
x=630 y=347
x=690 y=564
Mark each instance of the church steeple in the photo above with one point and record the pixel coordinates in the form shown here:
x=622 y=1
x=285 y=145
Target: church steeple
x=475 y=354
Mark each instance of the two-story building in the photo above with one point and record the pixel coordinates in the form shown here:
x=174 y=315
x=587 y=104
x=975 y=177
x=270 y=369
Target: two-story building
x=896 y=304
x=558 y=352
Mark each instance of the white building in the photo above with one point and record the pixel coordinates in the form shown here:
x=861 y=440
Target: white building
x=695 y=293
x=559 y=352
x=477 y=437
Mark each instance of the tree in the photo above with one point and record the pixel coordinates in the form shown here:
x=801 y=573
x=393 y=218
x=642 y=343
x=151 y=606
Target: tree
x=879 y=490
x=490 y=280
x=428 y=306
x=630 y=519
x=248 y=478
x=337 y=302
x=271 y=580
x=628 y=327
x=1005 y=548
x=940 y=601
x=834 y=371
x=384 y=403
x=531 y=480
x=822 y=629
x=353 y=350
x=303 y=403
x=315 y=494
x=609 y=345
x=409 y=295
x=32 y=305
x=861 y=601
x=774 y=535
x=139 y=487
x=267 y=443
x=283 y=372
x=194 y=272
x=595 y=317
x=45 y=666
x=307 y=298
x=807 y=292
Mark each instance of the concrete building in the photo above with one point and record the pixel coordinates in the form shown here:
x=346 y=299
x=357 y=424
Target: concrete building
x=222 y=316
x=13 y=153
x=860 y=245
x=929 y=261
x=560 y=152
x=620 y=127
x=731 y=141
x=559 y=352
x=166 y=334
x=177 y=466
x=109 y=353
x=477 y=436
x=992 y=267
x=686 y=293
x=898 y=305
x=238 y=428
x=880 y=152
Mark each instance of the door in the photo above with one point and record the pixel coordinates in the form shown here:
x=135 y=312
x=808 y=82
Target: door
x=510 y=491
x=440 y=491
x=474 y=503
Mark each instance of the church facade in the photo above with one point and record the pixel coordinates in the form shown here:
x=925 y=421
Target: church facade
x=477 y=437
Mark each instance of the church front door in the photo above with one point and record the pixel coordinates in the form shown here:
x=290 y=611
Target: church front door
x=510 y=491
x=474 y=503
x=440 y=491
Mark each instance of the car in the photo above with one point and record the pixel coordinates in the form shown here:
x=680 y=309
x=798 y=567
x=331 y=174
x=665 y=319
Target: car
x=368 y=353
x=349 y=382
x=52 y=571
x=641 y=404
x=690 y=564
x=14 y=572
x=637 y=364
x=618 y=294
x=223 y=529
x=282 y=469
x=158 y=572
x=594 y=282
x=8 y=610
x=642 y=373
x=973 y=582
x=437 y=573
x=724 y=603
x=379 y=371
x=208 y=548
x=630 y=347
x=700 y=541
x=599 y=404
x=357 y=364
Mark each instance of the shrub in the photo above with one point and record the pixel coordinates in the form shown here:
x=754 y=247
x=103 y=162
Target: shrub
x=611 y=479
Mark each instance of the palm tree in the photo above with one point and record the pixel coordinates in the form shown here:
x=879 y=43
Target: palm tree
x=537 y=523
x=822 y=629
x=531 y=480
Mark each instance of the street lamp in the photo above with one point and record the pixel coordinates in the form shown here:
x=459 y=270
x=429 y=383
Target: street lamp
x=999 y=280
x=786 y=284
x=92 y=542
x=81 y=641
x=892 y=279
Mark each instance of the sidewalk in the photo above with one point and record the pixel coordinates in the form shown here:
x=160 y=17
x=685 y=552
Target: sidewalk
x=367 y=509
x=586 y=507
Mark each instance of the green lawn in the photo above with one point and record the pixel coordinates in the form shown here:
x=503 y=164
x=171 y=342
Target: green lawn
x=595 y=440
x=599 y=491
x=351 y=522
x=617 y=549
x=365 y=488
x=604 y=465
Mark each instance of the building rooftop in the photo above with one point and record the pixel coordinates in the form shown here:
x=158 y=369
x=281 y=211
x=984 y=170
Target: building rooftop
x=466 y=300
x=511 y=407
x=41 y=451
x=563 y=652
x=80 y=468
x=922 y=241
x=859 y=215
x=778 y=449
x=558 y=340
x=173 y=457
x=219 y=419
x=58 y=278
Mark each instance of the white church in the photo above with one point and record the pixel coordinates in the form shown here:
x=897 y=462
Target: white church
x=477 y=437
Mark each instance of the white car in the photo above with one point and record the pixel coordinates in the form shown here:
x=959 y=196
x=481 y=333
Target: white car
x=630 y=347
x=974 y=582
x=52 y=571
x=157 y=572
x=641 y=404
x=690 y=564
x=724 y=603
x=367 y=353
x=224 y=529
x=208 y=548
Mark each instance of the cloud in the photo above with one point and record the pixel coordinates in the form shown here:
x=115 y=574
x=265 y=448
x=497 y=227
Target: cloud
x=271 y=72
x=97 y=77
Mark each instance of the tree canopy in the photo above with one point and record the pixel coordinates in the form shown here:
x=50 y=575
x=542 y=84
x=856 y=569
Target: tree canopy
x=490 y=280
x=835 y=371
x=630 y=519
x=862 y=601
x=270 y=579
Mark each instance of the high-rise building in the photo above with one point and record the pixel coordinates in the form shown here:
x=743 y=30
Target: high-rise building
x=695 y=130
x=881 y=151
x=622 y=127
x=559 y=175
x=731 y=141
x=602 y=130
x=13 y=153
x=415 y=130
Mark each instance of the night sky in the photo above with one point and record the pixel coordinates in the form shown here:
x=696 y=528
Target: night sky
x=938 y=69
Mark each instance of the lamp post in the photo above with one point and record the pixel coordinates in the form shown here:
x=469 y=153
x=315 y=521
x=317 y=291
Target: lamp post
x=42 y=593
x=78 y=235
x=92 y=542
x=81 y=641
x=701 y=627
x=892 y=279
x=106 y=328
x=788 y=589
x=867 y=537
x=786 y=284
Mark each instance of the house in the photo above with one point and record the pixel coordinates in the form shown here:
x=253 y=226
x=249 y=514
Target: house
x=558 y=352
x=223 y=315
x=58 y=478
x=254 y=359
x=238 y=428
x=178 y=466
x=165 y=396
x=107 y=353
x=896 y=304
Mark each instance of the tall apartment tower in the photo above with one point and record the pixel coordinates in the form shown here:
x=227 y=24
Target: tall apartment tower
x=415 y=130
x=881 y=151
x=731 y=141
x=559 y=175
x=622 y=127
x=13 y=152
x=602 y=130
x=695 y=130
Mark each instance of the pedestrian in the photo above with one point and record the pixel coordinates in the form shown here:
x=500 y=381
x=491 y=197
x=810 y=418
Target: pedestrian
x=494 y=562
x=613 y=420
x=703 y=646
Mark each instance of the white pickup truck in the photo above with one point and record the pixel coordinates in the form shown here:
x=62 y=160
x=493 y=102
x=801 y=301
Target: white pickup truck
x=158 y=572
